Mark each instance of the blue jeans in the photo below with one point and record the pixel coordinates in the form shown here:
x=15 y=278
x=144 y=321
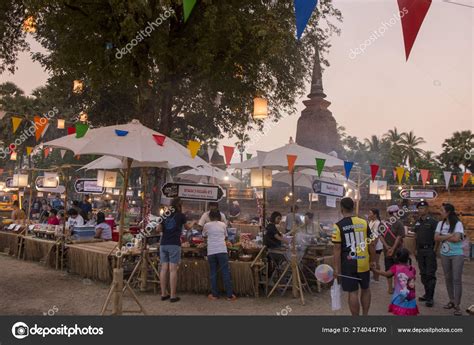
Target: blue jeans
x=221 y=259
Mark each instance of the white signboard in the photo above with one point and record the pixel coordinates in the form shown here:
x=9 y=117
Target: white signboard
x=330 y=189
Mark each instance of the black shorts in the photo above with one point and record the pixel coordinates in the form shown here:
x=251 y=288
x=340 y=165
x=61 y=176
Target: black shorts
x=389 y=262
x=351 y=285
x=379 y=251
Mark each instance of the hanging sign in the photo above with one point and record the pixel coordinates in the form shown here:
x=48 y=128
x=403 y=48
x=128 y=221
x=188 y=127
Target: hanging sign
x=189 y=191
x=241 y=194
x=418 y=194
x=329 y=189
x=88 y=186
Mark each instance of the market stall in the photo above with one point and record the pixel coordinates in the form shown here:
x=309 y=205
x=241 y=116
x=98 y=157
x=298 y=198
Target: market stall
x=9 y=242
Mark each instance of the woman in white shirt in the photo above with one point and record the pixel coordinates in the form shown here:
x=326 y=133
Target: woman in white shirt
x=374 y=224
x=74 y=219
x=216 y=233
x=450 y=232
x=102 y=229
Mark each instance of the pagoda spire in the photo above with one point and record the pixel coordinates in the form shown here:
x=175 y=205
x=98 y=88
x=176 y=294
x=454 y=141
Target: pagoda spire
x=317 y=78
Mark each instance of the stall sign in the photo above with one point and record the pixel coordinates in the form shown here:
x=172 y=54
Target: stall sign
x=39 y=184
x=9 y=184
x=88 y=186
x=418 y=194
x=190 y=191
x=329 y=189
x=241 y=194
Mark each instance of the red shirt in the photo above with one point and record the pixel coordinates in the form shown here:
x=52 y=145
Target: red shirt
x=53 y=220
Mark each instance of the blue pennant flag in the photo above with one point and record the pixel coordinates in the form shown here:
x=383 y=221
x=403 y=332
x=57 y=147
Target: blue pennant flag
x=348 y=167
x=121 y=133
x=303 y=11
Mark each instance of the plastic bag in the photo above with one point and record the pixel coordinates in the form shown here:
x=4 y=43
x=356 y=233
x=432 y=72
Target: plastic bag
x=335 y=296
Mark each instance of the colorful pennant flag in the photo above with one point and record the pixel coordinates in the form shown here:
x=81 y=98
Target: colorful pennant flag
x=63 y=152
x=71 y=130
x=384 y=171
x=121 y=133
x=394 y=172
x=347 y=168
x=424 y=176
x=29 y=149
x=249 y=155
x=465 y=178
x=455 y=178
x=159 y=139
x=40 y=125
x=210 y=153
x=303 y=11
x=81 y=129
x=407 y=176
x=193 y=147
x=400 y=171
x=46 y=152
x=188 y=6
x=414 y=14
x=16 y=123
x=417 y=176
x=374 y=168
x=447 y=178
x=291 y=162
x=320 y=165
x=228 y=153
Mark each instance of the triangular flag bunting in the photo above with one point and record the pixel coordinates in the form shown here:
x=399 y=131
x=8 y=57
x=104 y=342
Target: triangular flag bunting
x=455 y=178
x=384 y=171
x=407 y=175
x=40 y=125
x=16 y=122
x=81 y=129
x=303 y=11
x=188 y=6
x=63 y=152
x=465 y=178
x=29 y=149
x=374 y=168
x=46 y=152
x=447 y=178
x=414 y=13
x=424 y=176
x=228 y=153
x=347 y=168
x=71 y=130
x=320 y=165
x=291 y=162
x=394 y=174
x=121 y=133
x=249 y=155
x=400 y=171
x=417 y=176
x=193 y=147
x=159 y=139
x=210 y=153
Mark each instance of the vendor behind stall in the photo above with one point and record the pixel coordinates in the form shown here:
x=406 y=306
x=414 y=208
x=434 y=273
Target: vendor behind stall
x=75 y=219
x=234 y=210
x=102 y=229
x=18 y=215
x=213 y=206
x=53 y=217
x=273 y=238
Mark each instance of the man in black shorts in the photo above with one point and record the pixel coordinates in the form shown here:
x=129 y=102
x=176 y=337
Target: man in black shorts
x=354 y=255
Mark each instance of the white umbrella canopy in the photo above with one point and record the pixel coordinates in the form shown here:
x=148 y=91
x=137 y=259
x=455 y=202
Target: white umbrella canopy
x=306 y=177
x=202 y=173
x=277 y=159
x=136 y=142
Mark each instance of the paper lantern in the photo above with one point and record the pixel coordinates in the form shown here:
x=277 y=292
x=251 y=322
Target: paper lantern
x=83 y=116
x=78 y=86
x=260 y=108
x=2 y=186
x=13 y=156
x=116 y=192
x=107 y=179
x=20 y=180
x=29 y=24
x=61 y=123
x=50 y=180
x=378 y=187
x=387 y=196
x=39 y=194
x=261 y=178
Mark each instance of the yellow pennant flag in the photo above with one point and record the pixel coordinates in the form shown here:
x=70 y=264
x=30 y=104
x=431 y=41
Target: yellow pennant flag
x=400 y=173
x=28 y=150
x=407 y=175
x=16 y=122
x=193 y=147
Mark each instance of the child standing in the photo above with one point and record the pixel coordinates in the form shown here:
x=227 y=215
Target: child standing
x=404 y=296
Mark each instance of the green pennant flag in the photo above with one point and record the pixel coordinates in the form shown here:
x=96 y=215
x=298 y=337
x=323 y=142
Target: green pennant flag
x=320 y=165
x=249 y=155
x=81 y=129
x=188 y=6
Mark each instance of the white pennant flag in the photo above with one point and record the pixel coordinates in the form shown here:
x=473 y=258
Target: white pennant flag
x=63 y=152
x=418 y=176
x=210 y=153
x=447 y=178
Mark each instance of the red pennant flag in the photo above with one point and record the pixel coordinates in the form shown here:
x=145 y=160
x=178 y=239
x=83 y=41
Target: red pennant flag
x=228 y=153
x=71 y=130
x=374 y=169
x=455 y=178
x=412 y=14
x=465 y=178
x=46 y=152
x=291 y=162
x=384 y=171
x=424 y=176
x=159 y=139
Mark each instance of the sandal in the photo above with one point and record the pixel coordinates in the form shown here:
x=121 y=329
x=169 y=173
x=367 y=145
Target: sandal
x=450 y=305
x=457 y=311
x=164 y=298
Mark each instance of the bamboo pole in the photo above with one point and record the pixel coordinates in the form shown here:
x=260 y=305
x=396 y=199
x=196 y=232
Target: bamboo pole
x=122 y=208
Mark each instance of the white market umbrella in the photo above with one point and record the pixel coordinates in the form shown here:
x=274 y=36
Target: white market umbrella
x=306 y=177
x=203 y=173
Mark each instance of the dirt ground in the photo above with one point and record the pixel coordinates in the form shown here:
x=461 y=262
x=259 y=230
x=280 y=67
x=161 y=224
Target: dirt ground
x=29 y=288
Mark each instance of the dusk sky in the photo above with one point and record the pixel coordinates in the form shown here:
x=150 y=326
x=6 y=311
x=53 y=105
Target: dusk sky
x=431 y=94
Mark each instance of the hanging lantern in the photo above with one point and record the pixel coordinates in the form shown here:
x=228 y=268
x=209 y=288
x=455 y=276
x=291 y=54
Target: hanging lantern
x=2 y=186
x=261 y=178
x=61 y=123
x=50 y=180
x=29 y=24
x=83 y=116
x=106 y=179
x=20 y=180
x=13 y=156
x=78 y=86
x=260 y=108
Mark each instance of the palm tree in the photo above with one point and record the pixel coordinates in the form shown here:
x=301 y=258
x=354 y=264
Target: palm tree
x=408 y=144
x=458 y=151
x=393 y=137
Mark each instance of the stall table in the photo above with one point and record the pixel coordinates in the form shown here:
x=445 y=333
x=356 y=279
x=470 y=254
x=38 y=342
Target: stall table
x=39 y=249
x=247 y=228
x=10 y=241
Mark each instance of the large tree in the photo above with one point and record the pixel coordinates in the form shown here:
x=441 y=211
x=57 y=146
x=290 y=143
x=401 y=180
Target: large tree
x=458 y=152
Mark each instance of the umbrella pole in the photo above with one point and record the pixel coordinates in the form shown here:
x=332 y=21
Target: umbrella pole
x=122 y=207
x=296 y=281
